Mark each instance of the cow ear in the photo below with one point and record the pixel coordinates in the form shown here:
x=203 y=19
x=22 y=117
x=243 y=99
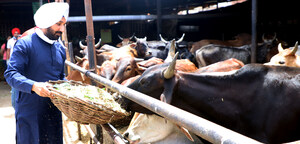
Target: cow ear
x=133 y=45
x=140 y=69
x=169 y=86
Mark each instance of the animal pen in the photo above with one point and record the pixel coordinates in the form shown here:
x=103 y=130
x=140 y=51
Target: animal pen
x=197 y=125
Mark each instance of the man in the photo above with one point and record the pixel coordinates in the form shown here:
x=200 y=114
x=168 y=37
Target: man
x=38 y=58
x=10 y=45
x=11 y=42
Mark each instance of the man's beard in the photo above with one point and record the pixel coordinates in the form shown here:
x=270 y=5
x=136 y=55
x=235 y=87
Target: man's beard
x=53 y=35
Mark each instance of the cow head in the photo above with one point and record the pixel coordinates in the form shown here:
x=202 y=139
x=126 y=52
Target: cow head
x=178 y=41
x=126 y=67
x=78 y=76
x=286 y=57
x=125 y=41
x=84 y=50
x=269 y=39
x=157 y=81
x=141 y=46
x=108 y=69
x=149 y=129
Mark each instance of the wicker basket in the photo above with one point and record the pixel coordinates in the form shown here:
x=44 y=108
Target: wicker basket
x=81 y=110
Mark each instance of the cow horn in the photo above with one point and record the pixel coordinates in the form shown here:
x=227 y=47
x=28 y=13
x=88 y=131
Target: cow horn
x=98 y=44
x=145 y=38
x=132 y=36
x=138 y=59
x=263 y=37
x=181 y=39
x=294 y=50
x=162 y=39
x=171 y=53
x=120 y=37
x=280 y=49
x=81 y=45
x=275 y=35
x=78 y=59
x=169 y=72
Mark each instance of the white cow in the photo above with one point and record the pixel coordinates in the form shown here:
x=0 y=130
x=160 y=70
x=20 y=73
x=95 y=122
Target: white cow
x=156 y=130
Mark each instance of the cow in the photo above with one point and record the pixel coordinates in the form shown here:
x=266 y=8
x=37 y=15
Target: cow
x=222 y=66
x=78 y=76
x=240 y=40
x=156 y=130
x=158 y=124
x=121 y=64
x=258 y=101
x=124 y=41
x=162 y=52
x=126 y=68
x=212 y=53
x=84 y=48
x=151 y=62
x=141 y=46
x=117 y=65
x=286 y=57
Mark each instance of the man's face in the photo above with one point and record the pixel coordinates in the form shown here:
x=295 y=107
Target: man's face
x=16 y=34
x=56 y=30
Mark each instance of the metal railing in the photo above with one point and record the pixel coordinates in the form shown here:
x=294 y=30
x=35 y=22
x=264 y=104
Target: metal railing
x=199 y=126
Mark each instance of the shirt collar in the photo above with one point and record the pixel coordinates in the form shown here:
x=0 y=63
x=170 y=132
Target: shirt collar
x=40 y=33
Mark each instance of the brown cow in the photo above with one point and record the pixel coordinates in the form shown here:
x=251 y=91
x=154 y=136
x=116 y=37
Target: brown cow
x=151 y=62
x=126 y=67
x=125 y=41
x=286 y=57
x=222 y=66
x=78 y=76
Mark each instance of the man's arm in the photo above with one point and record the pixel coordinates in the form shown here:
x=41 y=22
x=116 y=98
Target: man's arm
x=8 y=54
x=41 y=89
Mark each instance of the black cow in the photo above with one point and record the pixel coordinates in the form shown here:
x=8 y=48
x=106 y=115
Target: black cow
x=259 y=101
x=213 y=53
x=161 y=51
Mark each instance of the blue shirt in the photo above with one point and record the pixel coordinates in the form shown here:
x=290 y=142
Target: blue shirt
x=34 y=60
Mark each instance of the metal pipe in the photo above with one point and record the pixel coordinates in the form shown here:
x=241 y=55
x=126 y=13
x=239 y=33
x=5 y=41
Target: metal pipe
x=92 y=134
x=201 y=127
x=71 y=53
x=143 y=17
x=113 y=18
x=114 y=134
x=254 y=34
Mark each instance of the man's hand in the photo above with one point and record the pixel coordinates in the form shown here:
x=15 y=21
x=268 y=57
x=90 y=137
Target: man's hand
x=41 y=89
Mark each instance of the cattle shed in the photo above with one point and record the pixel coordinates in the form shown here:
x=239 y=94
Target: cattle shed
x=222 y=23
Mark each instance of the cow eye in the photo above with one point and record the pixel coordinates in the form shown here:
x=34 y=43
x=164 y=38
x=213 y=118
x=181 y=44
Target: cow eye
x=128 y=69
x=281 y=62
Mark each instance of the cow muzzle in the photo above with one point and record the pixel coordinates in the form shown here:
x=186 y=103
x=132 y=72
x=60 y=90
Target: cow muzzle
x=133 y=139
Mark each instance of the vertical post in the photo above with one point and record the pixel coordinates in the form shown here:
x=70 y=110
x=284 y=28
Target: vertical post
x=90 y=34
x=254 y=34
x=91 y=53
x=158 y=20
x=71 y=54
